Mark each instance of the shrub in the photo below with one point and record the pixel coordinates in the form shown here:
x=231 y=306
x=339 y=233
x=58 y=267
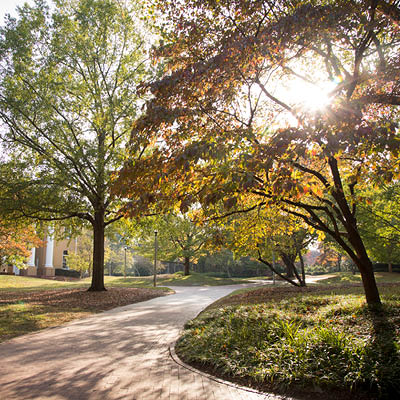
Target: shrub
x=70 y=273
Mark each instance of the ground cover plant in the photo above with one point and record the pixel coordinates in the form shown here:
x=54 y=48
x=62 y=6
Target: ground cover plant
x=308 y=342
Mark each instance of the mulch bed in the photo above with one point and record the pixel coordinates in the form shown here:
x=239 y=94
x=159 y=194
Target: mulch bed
x=81 y=298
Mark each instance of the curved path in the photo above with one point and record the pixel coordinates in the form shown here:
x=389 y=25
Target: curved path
x=119 y=354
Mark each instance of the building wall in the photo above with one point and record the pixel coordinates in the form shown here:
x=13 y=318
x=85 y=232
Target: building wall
x=59 y=248
x=40 y=258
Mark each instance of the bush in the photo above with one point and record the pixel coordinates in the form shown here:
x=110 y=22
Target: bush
x=70 y=273
x=383 y=267
x=218 y=274
x=319 y=269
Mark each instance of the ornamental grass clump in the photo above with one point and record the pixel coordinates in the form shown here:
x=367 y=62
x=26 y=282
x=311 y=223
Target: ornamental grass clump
x=317 y=341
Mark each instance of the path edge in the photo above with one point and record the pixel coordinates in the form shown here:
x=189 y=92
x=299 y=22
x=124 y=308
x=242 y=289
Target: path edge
x=178 y=361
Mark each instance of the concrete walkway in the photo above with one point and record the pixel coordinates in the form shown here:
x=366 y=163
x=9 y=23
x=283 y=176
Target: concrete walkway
x=119 y=354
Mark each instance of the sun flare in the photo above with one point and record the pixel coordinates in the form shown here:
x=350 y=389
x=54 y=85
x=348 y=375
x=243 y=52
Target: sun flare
x=304 y=97
x=310 y=97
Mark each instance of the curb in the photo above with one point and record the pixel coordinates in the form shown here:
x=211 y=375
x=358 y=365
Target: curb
x=178 y=361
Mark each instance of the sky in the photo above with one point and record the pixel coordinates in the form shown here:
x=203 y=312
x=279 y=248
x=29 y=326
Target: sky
x=8 y=6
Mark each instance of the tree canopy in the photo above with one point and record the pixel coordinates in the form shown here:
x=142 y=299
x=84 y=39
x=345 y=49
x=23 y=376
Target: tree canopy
x=16 y=241
x=291 y=104
x=380 y=224
x=68 y=94
x=179 y=238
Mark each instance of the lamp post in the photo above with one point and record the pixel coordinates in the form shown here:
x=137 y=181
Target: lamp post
x=273 y=264
x=125 y=248
x=155 y=258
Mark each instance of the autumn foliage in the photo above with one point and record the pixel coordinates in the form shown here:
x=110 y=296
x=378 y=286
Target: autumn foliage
x=238 y=127
x=16 y=242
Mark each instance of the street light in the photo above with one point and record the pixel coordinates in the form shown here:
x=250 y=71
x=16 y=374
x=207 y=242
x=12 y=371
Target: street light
x=155 y=258
x=273 y=265
x=125 y=248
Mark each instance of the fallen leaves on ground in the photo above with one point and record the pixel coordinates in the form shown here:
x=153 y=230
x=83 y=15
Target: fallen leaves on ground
x=81 y=298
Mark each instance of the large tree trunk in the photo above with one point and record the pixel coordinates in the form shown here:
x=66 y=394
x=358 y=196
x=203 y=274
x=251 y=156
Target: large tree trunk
x=359 y=255
x=186 y=270
x=365 y=267
x=98 y=253
x=289 y=270
x=288 y=260
x=303 y=272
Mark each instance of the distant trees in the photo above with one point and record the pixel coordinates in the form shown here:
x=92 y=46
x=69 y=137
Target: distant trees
x=224 y=263
x=178 y=238
x=82 y=259
x=329 y=258
x=379 y=220
x=270 y=235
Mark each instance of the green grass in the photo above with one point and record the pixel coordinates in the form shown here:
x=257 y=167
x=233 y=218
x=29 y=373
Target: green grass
x=320 y=339
x=177 y=279
x=21 y=318
x=196 y=279
x=21 y=283
x=348 y=277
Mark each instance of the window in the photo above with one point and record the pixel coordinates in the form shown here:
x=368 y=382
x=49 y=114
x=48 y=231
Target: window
x=64 y=260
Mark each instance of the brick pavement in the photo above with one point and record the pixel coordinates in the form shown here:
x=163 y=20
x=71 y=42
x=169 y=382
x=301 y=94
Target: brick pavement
x=119 y=354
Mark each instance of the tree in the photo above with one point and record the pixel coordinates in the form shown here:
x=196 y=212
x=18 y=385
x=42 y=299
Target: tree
x=16 y=241
x=293 y=104
x=267 y=234
x=68 y=93
x=380 y=223
x=225 y=263
x=178 y=238
x=82 y=259
x=329 y=258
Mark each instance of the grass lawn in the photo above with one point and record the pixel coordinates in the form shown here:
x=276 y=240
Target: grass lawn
x=177 y=279
x=348 y=277
x=21 y=283
x=196 y=279
x=320 y=342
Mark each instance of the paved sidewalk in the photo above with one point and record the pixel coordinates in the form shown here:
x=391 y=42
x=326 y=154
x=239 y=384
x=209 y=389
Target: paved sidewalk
x=119 y=354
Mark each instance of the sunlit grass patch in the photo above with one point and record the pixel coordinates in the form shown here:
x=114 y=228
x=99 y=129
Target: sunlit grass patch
x=21 y=283
x=197 y=279
x=21 y=318
x=348 y=277
x=176 y=279
x=15 y=282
